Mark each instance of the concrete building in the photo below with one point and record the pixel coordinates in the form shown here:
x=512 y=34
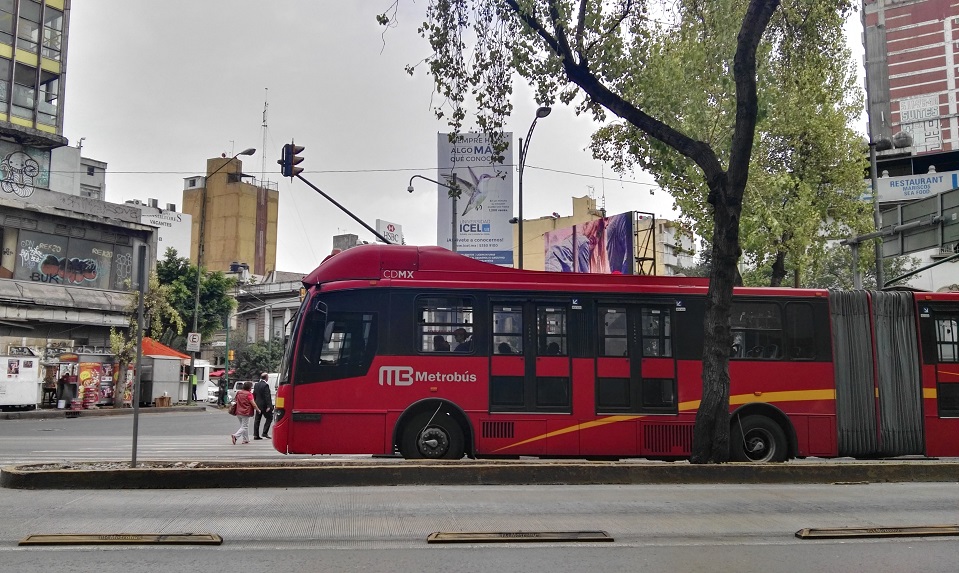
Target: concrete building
x=534 y=231
x=911 y=80
x=234 y=217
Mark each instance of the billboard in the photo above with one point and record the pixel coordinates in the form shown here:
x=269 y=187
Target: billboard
x=174 y=230
x=600 y=246
x=480 y=217
x=911 y=187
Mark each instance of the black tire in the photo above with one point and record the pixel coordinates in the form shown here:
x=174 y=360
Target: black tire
x=757 y=439
x=432 y=437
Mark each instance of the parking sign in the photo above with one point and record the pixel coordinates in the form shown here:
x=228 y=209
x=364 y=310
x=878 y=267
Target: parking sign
x=193 y=342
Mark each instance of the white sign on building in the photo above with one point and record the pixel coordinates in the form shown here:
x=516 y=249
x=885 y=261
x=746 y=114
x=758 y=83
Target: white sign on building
x=173 y=229
x=393 y=232
x=481 y=214
x=911 y=187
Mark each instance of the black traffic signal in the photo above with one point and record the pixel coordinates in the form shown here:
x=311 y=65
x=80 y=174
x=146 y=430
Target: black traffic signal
x=289 y=160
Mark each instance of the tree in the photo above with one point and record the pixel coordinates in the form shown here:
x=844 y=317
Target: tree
x=834 y=269
x=567 y=49
x=253 y=359
x=157 y=312
x=807 y=166
x=180 y=277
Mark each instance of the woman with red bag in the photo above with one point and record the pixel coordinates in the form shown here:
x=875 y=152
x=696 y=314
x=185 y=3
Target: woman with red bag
x=245 y=406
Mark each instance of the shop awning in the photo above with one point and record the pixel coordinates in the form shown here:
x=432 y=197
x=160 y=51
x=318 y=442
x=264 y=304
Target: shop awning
x=153 y=348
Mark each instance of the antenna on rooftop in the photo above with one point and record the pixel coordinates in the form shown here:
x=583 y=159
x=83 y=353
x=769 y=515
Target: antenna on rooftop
x=263 y=156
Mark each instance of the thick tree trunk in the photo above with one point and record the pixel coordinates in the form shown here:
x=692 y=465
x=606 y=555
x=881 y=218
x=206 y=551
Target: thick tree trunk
x=711 y=433
x=779 y=270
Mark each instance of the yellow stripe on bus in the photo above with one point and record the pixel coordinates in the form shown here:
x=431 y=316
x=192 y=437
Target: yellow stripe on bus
x=692 y=405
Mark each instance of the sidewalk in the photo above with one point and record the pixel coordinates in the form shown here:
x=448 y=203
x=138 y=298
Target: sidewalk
x=54 y=413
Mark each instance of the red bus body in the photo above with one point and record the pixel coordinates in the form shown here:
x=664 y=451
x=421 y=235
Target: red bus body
x=622 y=377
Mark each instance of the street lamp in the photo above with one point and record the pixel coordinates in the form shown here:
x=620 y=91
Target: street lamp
x=540 y=113
x=454 y=187
x=199 y=262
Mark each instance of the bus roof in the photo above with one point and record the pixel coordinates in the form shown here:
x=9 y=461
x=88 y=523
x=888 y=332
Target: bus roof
x=429 y=265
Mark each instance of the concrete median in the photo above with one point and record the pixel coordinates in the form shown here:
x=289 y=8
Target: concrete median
x=180 y=475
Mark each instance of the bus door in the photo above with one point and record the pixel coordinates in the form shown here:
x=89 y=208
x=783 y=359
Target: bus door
x=636 y=375
x=530 y=374
x=940 y=333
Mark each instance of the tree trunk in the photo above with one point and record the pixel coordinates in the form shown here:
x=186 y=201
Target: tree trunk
x=779 y=269
x=711 y=432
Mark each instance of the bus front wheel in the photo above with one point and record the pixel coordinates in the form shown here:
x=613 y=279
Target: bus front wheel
x=757 y=439
x=433 y=437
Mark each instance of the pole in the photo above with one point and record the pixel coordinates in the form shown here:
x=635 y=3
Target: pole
x=519 y=222
x=141 y=280
x=453 y=216
x=876 y=215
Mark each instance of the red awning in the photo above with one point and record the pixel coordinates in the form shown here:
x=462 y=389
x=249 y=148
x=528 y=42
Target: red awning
x=153 y=348
x=219 y=373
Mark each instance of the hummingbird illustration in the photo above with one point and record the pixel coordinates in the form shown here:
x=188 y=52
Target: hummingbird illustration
x=478 y=189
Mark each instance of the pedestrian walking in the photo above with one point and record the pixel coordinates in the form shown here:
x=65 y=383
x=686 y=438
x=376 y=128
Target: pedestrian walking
x=264 y=407
x=245 y=406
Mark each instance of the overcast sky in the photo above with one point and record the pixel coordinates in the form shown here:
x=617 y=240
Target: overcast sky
x=157 y=88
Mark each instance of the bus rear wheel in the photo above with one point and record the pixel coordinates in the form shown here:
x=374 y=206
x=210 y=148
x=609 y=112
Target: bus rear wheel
x=434 y=437
x=757 y=439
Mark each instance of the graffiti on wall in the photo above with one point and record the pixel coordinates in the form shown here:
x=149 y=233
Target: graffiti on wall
x=23 y=169
x=70 y=261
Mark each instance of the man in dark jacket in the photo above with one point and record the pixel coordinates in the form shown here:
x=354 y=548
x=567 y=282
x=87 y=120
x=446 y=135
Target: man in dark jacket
x=264 y=401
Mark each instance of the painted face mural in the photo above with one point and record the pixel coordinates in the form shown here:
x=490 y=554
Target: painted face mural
x=19 y=171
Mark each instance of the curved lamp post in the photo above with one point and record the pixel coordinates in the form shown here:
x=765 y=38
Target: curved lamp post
x=199 y=262
x=540 y=113
x=409 y=188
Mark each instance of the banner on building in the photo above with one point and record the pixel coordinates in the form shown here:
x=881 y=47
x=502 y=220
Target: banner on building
x=479 y=218
x=392 y=232
x=600 y=246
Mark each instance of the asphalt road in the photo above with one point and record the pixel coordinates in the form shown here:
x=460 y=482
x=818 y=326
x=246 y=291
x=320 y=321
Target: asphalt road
x=675 y=528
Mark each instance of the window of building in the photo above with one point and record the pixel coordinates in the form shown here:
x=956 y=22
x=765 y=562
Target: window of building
x=91 y=171
x=28 y=31
x=444 y=324
x=277 y=326
x=48 y=106
x=52 y=33
x=7 y=8
x=24 y=90
x=4 y=81
x=251 y=330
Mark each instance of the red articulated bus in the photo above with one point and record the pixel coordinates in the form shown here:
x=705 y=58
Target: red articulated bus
x=421 y=351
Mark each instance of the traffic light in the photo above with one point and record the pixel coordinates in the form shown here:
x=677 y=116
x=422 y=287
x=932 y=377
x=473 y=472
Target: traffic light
x=289 y=160
x=231 y=355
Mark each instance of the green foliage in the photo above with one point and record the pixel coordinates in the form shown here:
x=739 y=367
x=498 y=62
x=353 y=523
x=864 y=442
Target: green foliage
x=180 y=277
x=807 y=165
x=834 y=268
x=253 y=359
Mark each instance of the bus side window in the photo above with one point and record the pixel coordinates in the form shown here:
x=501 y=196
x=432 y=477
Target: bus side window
x=444 y=324
x=800 y=332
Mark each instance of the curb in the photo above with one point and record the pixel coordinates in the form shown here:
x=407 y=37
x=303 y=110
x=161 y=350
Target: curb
x=56 y=414
x=475 y=473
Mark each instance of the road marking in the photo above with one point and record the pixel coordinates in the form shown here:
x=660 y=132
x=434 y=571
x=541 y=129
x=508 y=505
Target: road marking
x=910 y=531
x=517 y=537
x=123 y=539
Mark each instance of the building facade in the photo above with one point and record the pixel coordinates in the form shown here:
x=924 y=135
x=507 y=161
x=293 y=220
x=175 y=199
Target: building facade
x=234 y=217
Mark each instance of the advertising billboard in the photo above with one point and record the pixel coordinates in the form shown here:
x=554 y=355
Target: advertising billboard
x=479 y=218
x=600 y=246
x=393 y=232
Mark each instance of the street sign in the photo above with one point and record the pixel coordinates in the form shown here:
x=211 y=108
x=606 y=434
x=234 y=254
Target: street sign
x=193 y=342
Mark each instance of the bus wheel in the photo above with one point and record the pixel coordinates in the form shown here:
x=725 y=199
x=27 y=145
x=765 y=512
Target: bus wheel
x=432 y=437
x=757 y=439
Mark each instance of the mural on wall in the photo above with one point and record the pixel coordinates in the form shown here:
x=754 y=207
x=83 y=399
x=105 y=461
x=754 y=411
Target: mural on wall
x=60 y=260
x=23 y=169
x=600 y=246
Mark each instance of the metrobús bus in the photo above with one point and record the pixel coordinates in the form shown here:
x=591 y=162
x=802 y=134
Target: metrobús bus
x=424 y=352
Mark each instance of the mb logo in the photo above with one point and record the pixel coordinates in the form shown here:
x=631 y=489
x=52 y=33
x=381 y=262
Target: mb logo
x=396 y=376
